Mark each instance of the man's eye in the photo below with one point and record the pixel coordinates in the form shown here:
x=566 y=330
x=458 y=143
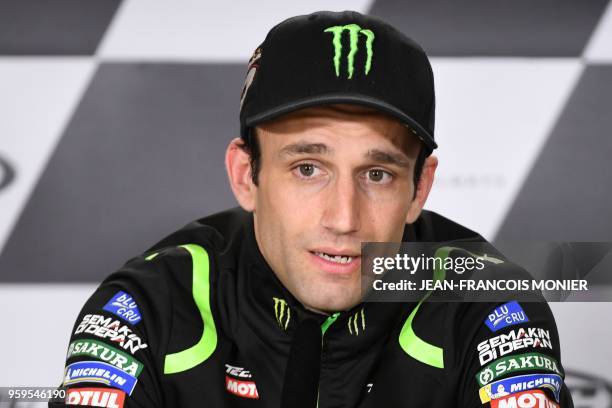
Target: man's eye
x=379 y=176
x=307 y=170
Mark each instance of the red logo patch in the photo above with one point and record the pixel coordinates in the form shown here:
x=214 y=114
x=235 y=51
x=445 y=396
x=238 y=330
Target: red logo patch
x=525 y=399
x=95 y=397
x=244 y=389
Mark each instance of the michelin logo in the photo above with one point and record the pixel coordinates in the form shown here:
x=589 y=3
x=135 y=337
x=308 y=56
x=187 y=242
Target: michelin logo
x=507 y=386
x=124 y=306
x=97 y=371
x=506 y=315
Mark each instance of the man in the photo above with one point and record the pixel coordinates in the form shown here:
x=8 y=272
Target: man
x=262 y=306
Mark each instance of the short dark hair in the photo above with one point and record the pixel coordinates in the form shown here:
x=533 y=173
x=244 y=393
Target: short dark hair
x=250 y=144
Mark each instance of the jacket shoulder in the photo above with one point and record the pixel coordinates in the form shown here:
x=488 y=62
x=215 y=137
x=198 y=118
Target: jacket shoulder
x=433 y=227
x=215 y=231
x=174 y=285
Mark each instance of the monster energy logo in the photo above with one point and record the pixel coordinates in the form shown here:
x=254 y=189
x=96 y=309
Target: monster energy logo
x=355 y=321
x=354 y=31
x=282 y=318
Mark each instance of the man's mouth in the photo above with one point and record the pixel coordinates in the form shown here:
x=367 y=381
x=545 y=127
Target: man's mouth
x=341 y=259
x=336 y=261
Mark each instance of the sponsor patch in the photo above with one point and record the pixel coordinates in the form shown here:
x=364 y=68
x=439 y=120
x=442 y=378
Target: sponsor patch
x=95 y=397
x=517 y=339
x=244 y=389
x=526 y=399
x=97 y=371
x=506 y=315
x=107 y=328
x=519 y=383
x=106 y=353
x=237 y=371
x=519 y=362
x=282 y=317
x=124 y=306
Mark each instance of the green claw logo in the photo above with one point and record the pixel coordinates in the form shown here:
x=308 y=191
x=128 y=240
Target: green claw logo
x=282 y=318
x=354 y=31
x=355 y=321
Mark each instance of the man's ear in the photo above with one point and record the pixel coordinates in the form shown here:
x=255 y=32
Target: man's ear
x=238 y=166
x=423 y=189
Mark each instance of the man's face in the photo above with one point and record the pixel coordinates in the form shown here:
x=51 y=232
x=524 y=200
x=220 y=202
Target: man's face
x=330 y=178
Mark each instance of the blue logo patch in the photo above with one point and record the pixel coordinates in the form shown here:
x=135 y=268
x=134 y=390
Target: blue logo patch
x=99 y=372
x=507 y=386
x=506 y=315
x=124 y=306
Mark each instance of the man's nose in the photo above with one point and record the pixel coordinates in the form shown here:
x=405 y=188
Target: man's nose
x=341 y=214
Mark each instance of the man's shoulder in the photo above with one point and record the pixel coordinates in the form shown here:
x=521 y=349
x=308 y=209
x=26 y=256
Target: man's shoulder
x=174 y=282
x=197 y=251
x=433 y=227
x=214 y=231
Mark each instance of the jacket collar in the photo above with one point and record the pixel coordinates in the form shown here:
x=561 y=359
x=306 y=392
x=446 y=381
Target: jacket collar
x=276 y=313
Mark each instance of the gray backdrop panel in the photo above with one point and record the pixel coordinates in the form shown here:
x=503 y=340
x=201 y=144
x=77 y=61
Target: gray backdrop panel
x=568 y=195
x=58 y=27
x=142 y=156
x=495 y=28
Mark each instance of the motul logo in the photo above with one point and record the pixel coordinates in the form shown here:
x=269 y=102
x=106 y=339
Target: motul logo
x=244 y=389
x=95 y=397
x=526 y=399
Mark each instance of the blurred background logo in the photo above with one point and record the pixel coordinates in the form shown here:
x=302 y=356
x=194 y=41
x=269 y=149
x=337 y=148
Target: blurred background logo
x=589 y=391
x=7 y=173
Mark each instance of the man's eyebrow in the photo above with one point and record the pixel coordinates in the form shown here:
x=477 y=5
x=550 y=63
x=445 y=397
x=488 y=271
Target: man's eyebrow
x=304 y=148
x=386 y=157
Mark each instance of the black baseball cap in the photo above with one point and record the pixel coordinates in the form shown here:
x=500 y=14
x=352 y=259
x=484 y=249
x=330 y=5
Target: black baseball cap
x=339 y=57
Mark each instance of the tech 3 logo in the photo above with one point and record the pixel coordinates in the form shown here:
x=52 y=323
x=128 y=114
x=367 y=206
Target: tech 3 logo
x=354 y=30
x=238 y=381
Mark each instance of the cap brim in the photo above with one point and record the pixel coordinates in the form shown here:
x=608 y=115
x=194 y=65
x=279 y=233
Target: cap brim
x=354 y=99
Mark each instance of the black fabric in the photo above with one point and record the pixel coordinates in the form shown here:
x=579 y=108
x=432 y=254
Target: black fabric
x=270 y=350
x=295 y=68
x=301 y=383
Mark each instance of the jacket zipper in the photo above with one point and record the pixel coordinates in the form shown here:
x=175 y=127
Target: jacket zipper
x=328 y=322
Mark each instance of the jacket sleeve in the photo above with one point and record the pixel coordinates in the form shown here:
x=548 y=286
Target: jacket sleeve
x=114 y=357
x=510 y=356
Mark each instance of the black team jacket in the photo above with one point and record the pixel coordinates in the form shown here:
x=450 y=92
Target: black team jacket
x=200 y=320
